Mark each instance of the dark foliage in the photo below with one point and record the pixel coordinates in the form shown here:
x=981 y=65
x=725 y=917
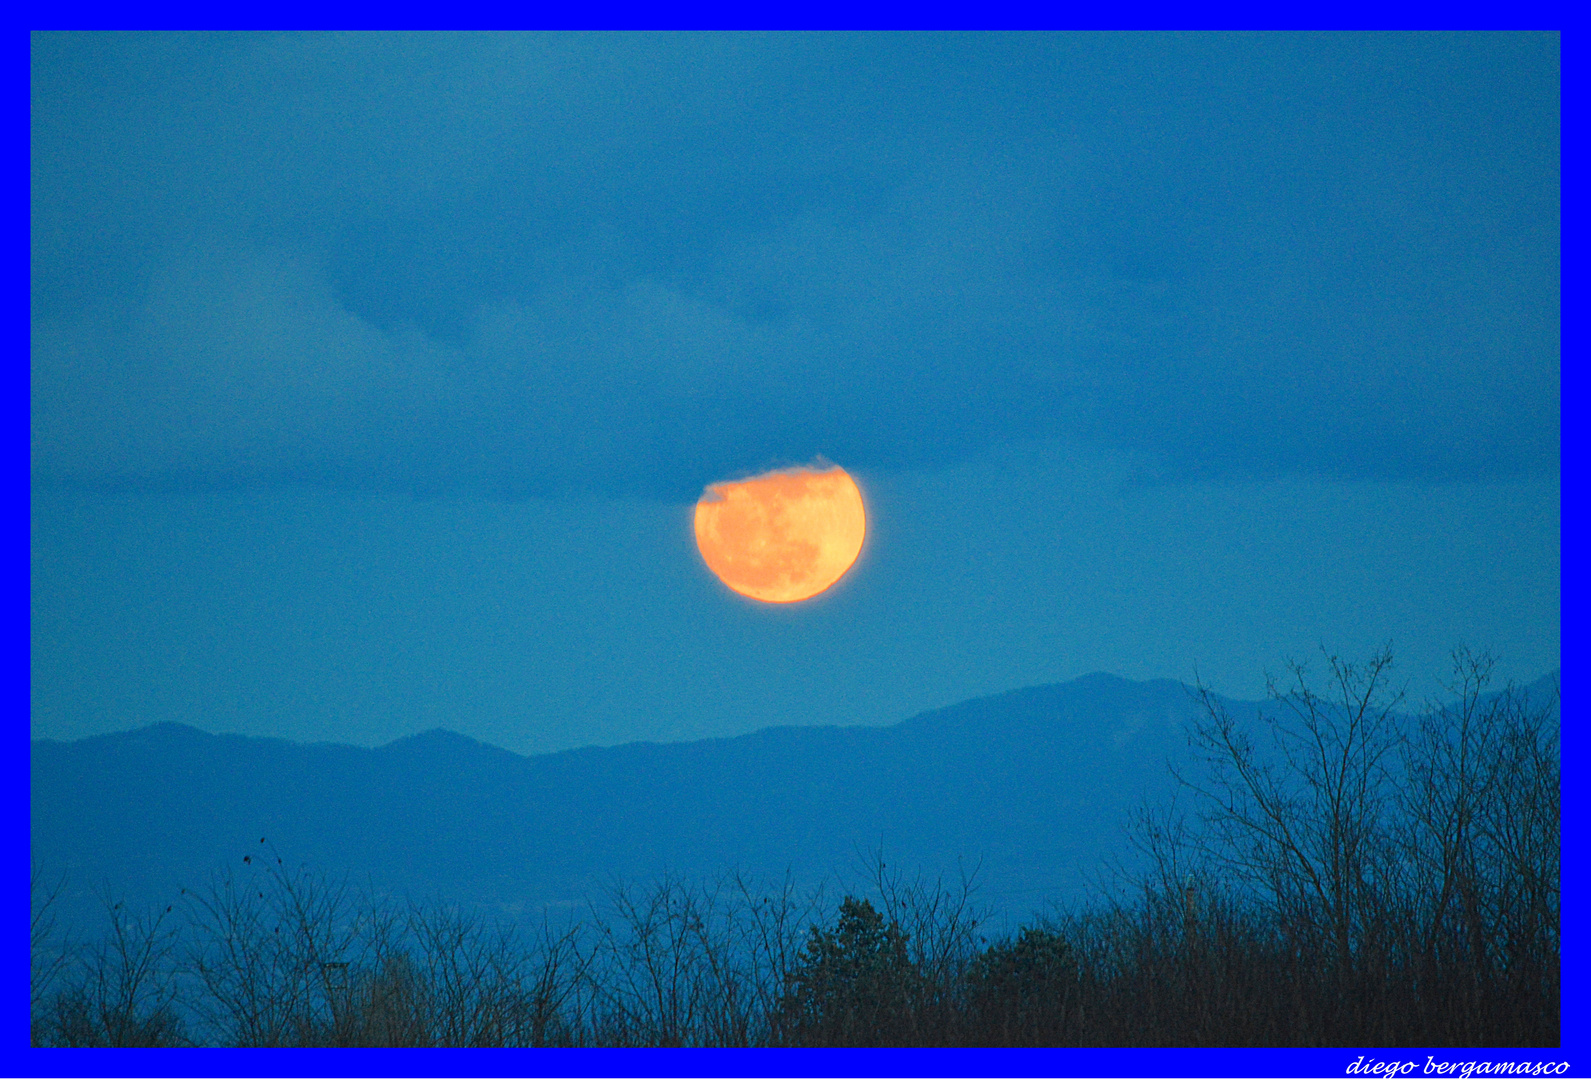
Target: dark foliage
x=854 y=985
x=1026 y=992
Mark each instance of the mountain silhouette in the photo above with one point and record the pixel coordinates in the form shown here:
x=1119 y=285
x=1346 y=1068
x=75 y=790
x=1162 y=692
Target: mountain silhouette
x=1033 y=787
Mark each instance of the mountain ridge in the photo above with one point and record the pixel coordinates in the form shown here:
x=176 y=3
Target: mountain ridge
x=1035 y=784
x=439 y=734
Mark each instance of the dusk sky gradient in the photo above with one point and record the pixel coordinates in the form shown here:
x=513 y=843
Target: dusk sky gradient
x=375 y=377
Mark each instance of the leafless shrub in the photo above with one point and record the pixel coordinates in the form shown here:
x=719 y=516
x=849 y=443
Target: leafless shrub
x=465 y=983
x=47 y=957
x=1304 y=826
x=777 y=920
x=272 y=950
x=289 y=958
x=679 y=964
x=1357 y=877
x=1481 y=848
x=124 y=987
x=941 y=921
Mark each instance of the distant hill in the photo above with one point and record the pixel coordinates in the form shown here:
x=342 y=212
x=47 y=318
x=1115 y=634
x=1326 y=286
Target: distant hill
x=1035 y=784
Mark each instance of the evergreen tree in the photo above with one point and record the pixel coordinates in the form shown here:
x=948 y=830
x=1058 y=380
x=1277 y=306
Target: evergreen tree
x=854 y=985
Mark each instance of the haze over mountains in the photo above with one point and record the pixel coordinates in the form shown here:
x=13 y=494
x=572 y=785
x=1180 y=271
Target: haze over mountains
x=1035 y=786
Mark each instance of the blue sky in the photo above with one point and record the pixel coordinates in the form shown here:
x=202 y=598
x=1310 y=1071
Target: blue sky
x=374 y=377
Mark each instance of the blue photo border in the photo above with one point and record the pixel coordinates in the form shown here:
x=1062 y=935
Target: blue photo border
x=23 y=1060
x=1088 y=1062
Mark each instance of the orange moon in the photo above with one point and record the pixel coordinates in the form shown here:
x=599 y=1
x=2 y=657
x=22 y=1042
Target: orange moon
x=782 y=536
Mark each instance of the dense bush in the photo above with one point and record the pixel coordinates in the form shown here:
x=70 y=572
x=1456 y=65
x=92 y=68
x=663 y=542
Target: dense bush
x=854 y=984
x=1026 y=992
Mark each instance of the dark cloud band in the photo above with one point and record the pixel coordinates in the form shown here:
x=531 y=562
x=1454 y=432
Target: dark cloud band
x=527 y=265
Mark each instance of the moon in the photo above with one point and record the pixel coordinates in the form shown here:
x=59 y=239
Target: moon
x=782 y=536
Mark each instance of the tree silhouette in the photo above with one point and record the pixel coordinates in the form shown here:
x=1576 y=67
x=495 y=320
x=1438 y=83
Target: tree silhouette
x=1023 y=992
x=854 y=985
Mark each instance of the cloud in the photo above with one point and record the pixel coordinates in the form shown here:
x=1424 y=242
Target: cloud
x=533 y=265
x=237 y=368
x=889 y=343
